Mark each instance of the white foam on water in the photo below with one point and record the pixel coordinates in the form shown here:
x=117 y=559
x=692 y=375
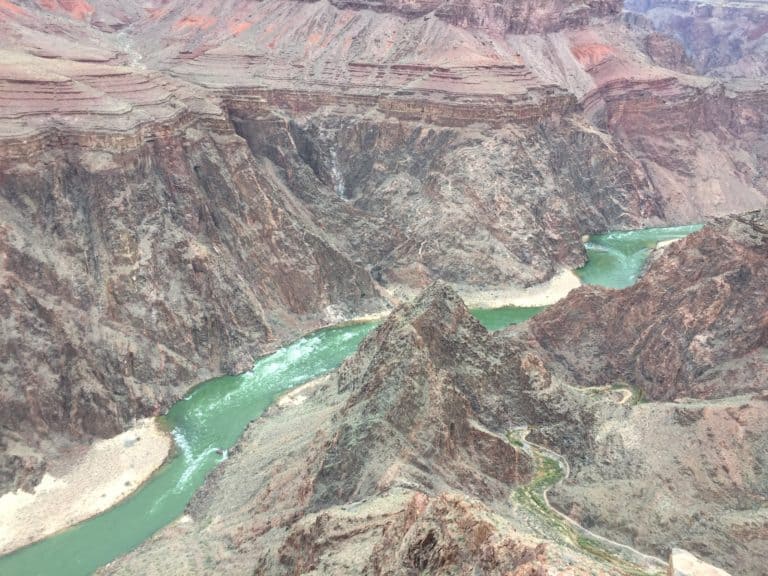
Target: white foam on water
x=282 y=361
x=183 y=444
x=193 y=467
x=302 y=348
x=606 y=250
x=274 y=372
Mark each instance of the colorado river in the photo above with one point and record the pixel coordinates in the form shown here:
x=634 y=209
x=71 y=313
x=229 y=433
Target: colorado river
x=616 y=259
x=212 y=417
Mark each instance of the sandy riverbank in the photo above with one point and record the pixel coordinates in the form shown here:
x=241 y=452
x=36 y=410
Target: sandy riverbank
x=299 y=395
x=543 y=294
x=539 y=295
x=109 y=471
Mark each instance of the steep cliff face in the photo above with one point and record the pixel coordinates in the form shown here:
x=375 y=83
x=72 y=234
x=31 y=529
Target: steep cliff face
x=677 y=335
x=137 y=263
x=680 y=129
x=400 y=196
x=701 y=141
x=518 y=16
x=400 y=465
x=184 y=184
x=156 y=232
x=667 y=52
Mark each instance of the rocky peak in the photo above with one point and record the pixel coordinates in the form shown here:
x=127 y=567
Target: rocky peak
x=672 y=334
x=419 y=387
x=431 y=325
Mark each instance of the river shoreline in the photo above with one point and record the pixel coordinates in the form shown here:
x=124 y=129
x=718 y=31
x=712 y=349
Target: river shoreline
x=266 y=371
x=108 y=472
x=111 y=470
x=544 y=294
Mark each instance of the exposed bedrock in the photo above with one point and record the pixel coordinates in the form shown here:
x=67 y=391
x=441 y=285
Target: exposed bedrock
x=467 y=205
x=695 y=325
x=703 y=145
x=186 y=184
x=400 y=465
x=517 y=16
x=668 y=52
x=720 y=37
x=133 y=271
x=430 y=414
x=689 y=472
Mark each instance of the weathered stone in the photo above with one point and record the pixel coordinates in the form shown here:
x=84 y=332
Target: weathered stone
x=185 y=186
x=694 y=325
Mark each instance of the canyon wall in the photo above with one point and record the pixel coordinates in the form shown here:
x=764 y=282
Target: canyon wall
x=188 y=184
x=139 y=262
x=683 y=466
x=406 y=459
x=676 y=337
x=400 y=195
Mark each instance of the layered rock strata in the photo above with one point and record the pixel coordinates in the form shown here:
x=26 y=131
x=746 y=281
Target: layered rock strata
x=185 y=185
x=402 y=458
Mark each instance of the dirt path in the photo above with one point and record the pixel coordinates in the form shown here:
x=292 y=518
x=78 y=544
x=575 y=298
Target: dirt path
x=627 y=553
x=647 y=561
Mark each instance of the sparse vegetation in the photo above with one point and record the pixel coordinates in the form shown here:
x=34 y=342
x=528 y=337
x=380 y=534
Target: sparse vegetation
x=533 y=497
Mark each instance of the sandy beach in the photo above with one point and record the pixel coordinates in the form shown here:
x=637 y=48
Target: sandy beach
x=109 y=471
x=540 y=295
x=299 y=395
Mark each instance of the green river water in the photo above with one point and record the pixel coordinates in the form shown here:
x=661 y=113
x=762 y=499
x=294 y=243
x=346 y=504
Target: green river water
x=616 y=259
x=214 y=414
